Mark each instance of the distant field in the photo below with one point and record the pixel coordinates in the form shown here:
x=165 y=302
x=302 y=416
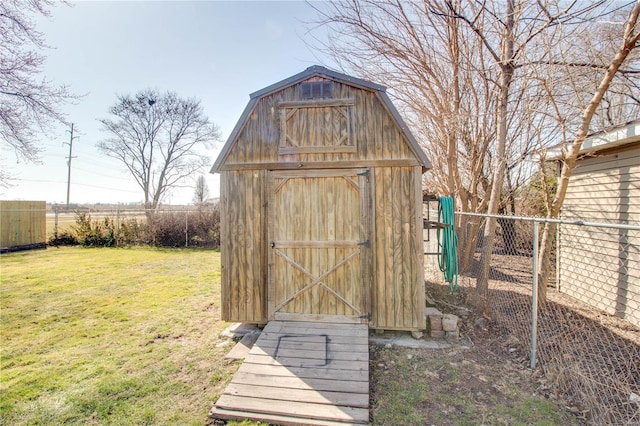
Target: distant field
x=67 y=220
x=111 y=336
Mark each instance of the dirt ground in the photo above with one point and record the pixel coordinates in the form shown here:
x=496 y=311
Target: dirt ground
x=482 y=379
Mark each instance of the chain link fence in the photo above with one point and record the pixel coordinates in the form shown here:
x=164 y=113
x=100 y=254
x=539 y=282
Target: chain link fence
x=584 y=336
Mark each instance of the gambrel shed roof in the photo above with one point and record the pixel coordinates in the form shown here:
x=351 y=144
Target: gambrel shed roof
x=322 y=72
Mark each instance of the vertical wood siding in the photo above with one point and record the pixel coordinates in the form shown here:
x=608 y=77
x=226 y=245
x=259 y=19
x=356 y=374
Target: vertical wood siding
x=22 y=223
x=398 y=285
x=596 y=265
x=242 y=246
x=373 y=131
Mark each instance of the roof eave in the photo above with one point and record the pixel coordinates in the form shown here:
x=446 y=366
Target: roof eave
x=217 y=165
x=609 y=138
x=317 y=71
x=404 y=128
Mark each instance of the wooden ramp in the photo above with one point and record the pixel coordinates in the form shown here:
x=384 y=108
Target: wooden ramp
x=302 y=373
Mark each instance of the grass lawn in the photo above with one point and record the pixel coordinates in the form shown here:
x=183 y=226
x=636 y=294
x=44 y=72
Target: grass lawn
x=110 y=336
x=130 y=337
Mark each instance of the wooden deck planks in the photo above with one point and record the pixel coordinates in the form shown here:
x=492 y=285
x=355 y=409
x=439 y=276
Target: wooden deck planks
x=299 y=383
x=302 y=373
x=302 y=395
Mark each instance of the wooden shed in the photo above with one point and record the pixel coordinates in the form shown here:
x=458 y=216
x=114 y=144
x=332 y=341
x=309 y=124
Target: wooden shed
x=321 y=206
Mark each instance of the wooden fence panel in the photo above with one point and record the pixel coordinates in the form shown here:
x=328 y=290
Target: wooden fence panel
x=23 y=224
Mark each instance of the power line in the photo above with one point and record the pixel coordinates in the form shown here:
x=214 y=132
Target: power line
x=101 y=174
x=80 y=184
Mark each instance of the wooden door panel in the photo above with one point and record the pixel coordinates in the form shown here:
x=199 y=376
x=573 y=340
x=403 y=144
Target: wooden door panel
x=318 y=281
x=317 y=235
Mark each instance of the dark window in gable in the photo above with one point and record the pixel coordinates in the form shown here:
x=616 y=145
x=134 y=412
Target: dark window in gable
x=317 y=89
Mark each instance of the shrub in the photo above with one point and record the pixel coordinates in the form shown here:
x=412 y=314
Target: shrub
x=64 y=238
x=132 y=232
x=108 y=232
x=168 y=229
x=204 y=226
x=199 y=228
x=98 y=233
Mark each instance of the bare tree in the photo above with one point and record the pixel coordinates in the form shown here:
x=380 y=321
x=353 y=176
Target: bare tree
x=508 y=31
x=201 y=192
x=157 y=136
x=630 y=42
x=432 y=68
x=29 y=104
x=483 y=84
x=458 y=69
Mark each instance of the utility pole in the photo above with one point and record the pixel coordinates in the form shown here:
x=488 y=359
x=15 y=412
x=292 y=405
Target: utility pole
x=69 y=162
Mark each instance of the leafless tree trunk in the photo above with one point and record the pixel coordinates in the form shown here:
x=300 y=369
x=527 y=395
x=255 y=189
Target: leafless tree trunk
x=201 y=192
x=508 y=37
x=506 y=66
x=630 y=41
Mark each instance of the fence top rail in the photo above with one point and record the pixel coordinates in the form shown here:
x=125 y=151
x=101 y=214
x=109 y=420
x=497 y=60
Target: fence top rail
x=549 y=220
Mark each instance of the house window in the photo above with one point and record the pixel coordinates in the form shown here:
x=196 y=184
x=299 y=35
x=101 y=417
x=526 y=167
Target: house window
x=317 y=89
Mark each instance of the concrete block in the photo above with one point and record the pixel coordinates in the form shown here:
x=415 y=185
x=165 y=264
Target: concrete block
x=242 y=348
x=450 y=322
x=238 y=330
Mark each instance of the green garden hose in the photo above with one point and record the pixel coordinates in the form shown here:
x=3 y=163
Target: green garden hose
x=448 y=243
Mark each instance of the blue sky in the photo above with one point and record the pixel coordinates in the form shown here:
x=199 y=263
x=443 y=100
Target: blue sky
x=216 y=51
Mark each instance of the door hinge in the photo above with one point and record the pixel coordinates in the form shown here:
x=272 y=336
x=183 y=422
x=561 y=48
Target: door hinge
x=367 y=316
x=365 y=243
x=366 y=173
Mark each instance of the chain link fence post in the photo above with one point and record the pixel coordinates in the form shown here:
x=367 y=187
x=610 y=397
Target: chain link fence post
x=534 y=296
x=583 y=336
x=117 y=233
x=55 y=222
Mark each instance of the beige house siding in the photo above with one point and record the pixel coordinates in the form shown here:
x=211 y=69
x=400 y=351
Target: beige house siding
x=599 y=265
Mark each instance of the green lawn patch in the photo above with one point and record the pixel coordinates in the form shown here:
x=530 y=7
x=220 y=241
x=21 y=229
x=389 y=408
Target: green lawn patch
x=111 y=336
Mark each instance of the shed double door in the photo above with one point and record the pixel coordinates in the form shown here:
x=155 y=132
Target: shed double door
x=319 y=232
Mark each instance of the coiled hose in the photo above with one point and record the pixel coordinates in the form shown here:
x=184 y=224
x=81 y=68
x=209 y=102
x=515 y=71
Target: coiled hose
x=448 y=243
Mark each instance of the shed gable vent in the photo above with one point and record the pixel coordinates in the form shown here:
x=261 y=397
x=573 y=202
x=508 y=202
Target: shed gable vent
x=316 y=89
